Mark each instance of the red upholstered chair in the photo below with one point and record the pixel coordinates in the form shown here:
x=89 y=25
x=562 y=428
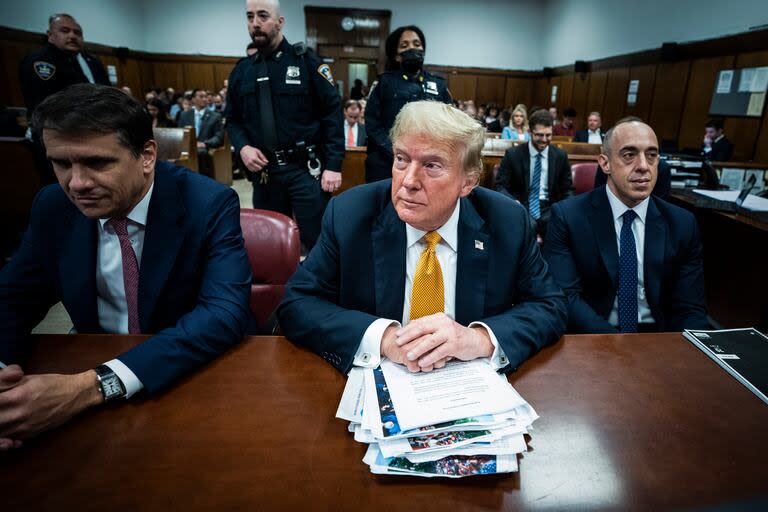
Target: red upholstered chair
x=273 y=247
x=583 y=174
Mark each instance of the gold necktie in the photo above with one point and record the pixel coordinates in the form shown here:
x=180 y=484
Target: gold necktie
x=427 y=296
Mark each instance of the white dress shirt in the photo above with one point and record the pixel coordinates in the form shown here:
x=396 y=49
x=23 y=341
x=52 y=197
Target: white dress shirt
x=544 y=188
x=595 y=137
x=638 y=229
x=354 y=132
x=110 y=291
x=369 y=352
x=86 y=68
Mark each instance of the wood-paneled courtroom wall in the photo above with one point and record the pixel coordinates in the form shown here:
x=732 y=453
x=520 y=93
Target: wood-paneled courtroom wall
x=674 y=91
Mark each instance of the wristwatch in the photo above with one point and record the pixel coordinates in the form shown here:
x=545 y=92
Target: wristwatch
x=109 y=383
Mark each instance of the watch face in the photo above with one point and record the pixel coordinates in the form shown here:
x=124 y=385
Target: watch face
x=112 y=386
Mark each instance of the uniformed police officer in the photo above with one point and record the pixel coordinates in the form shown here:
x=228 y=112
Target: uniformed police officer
x=284 y=118
x=57 y=65
x=404 y=81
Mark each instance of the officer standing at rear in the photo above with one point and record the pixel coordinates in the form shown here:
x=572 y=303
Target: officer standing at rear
x=285 y=120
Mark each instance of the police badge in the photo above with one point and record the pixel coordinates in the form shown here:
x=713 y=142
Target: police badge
x=45 y=70
x=291 y=75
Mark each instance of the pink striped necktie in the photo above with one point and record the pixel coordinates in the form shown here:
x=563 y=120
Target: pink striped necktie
x=130 y=274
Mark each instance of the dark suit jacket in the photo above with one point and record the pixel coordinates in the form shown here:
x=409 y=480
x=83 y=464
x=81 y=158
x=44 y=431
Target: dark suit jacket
x=514 y=177
x=362 y=136
x=211 y=127
x=722 y=151
x=583 y=135
x=583 y=257
x=194 y=279
x=356 y=274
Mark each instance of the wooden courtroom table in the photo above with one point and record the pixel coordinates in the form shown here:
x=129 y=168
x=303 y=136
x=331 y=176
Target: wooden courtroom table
x=627 y=422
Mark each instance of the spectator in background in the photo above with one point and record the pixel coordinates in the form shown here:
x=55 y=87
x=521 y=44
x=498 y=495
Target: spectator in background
x=491 y=121
x=537 y=174
x=566 y=128
x=209 y=127
x=354 y=132
x=594 y=133
x=470 y=109
x=357 y=90
x=553 y=113
x=127 y=90
x=716 y=147
x=218 y=103
x=159 y=117
x=518 y=125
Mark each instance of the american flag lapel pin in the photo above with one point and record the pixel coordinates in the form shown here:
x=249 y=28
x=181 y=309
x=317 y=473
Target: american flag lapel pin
x=479 y=245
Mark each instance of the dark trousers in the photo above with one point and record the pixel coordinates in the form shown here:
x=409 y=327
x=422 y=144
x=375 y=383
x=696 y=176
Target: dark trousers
x=378 y=165
x=293 y=191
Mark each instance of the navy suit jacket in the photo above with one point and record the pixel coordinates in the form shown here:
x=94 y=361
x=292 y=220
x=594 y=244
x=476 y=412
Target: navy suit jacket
x=211 y=126
x=583 y=257
x=356 y=274
x=514 y=177
x=583 y=135
x=194 y=280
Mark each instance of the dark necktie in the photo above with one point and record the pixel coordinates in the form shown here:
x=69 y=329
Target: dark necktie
x=130 y=274
x=533 y=197
x=627 y=295
x=266 y=110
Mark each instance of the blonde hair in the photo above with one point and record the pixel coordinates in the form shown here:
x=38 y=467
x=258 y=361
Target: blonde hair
x=519 y=108
x=445 y=125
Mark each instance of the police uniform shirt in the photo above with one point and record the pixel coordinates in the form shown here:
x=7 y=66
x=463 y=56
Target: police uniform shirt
x=307 y=106
x=388 y=96
x=50 y=70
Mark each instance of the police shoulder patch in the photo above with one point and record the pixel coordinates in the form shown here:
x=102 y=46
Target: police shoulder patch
x=325 y=72
x=373 y=86
x=44 y=70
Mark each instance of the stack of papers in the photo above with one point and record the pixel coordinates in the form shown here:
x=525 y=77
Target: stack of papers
x=461 y=420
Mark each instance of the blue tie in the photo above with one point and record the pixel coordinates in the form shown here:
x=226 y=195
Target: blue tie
x=533 y=197
x=628 y=276
x=198 y=119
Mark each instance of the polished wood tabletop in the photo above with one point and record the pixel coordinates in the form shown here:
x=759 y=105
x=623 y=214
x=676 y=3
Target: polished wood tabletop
x=631 y=422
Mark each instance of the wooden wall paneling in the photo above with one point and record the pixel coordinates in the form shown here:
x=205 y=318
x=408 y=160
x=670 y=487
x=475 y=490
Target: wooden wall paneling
x=490 y=89
x=595 y=95
x=13 y=53
x=136 y=75
x=579 y=100
x=198 y=76
x=221 y=72
x=701 y=84
x=168 y=74
x=564 y=93
x=519 y=90
x=646 y=74
x=463 y=87
x=541 y=92
x=668 y=98
x=615 y=96
x=745 y=132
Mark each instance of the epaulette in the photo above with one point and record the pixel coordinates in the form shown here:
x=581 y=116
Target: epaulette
x=299 y=48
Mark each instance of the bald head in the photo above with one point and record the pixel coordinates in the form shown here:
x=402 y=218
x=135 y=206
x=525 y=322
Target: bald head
x=65 y=33
x=265 y=24
x=630 y=157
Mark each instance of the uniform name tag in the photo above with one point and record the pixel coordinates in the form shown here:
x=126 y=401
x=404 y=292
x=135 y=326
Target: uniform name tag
x=292 y=82
x=432 y=88
x=262 y=78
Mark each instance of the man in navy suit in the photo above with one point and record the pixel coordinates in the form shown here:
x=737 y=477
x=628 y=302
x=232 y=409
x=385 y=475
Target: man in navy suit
x=209 y=128
x=357 y=296
x=129 y=245
x=627 y=260
x=537 y=174
x=594 y=133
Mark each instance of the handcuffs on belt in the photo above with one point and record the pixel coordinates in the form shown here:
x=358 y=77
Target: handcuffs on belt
x=313 y=162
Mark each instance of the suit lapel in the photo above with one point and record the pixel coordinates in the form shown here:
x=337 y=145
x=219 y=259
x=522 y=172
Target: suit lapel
x=388 y=240
x=77 y=268
x=653 y=255
x=601 y=218
x=526 y=188
x=162 y=241
x=552 y=167
x=474 y=246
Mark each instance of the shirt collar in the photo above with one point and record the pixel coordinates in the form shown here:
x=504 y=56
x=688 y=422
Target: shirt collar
x=532 y=150
x=200 y=111
x=139 y=213
x=618 y=208
x=720 y=137
x=449 y=231
x=596 y=132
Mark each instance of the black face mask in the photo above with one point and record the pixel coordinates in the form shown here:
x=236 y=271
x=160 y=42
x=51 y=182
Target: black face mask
x=412 y=60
